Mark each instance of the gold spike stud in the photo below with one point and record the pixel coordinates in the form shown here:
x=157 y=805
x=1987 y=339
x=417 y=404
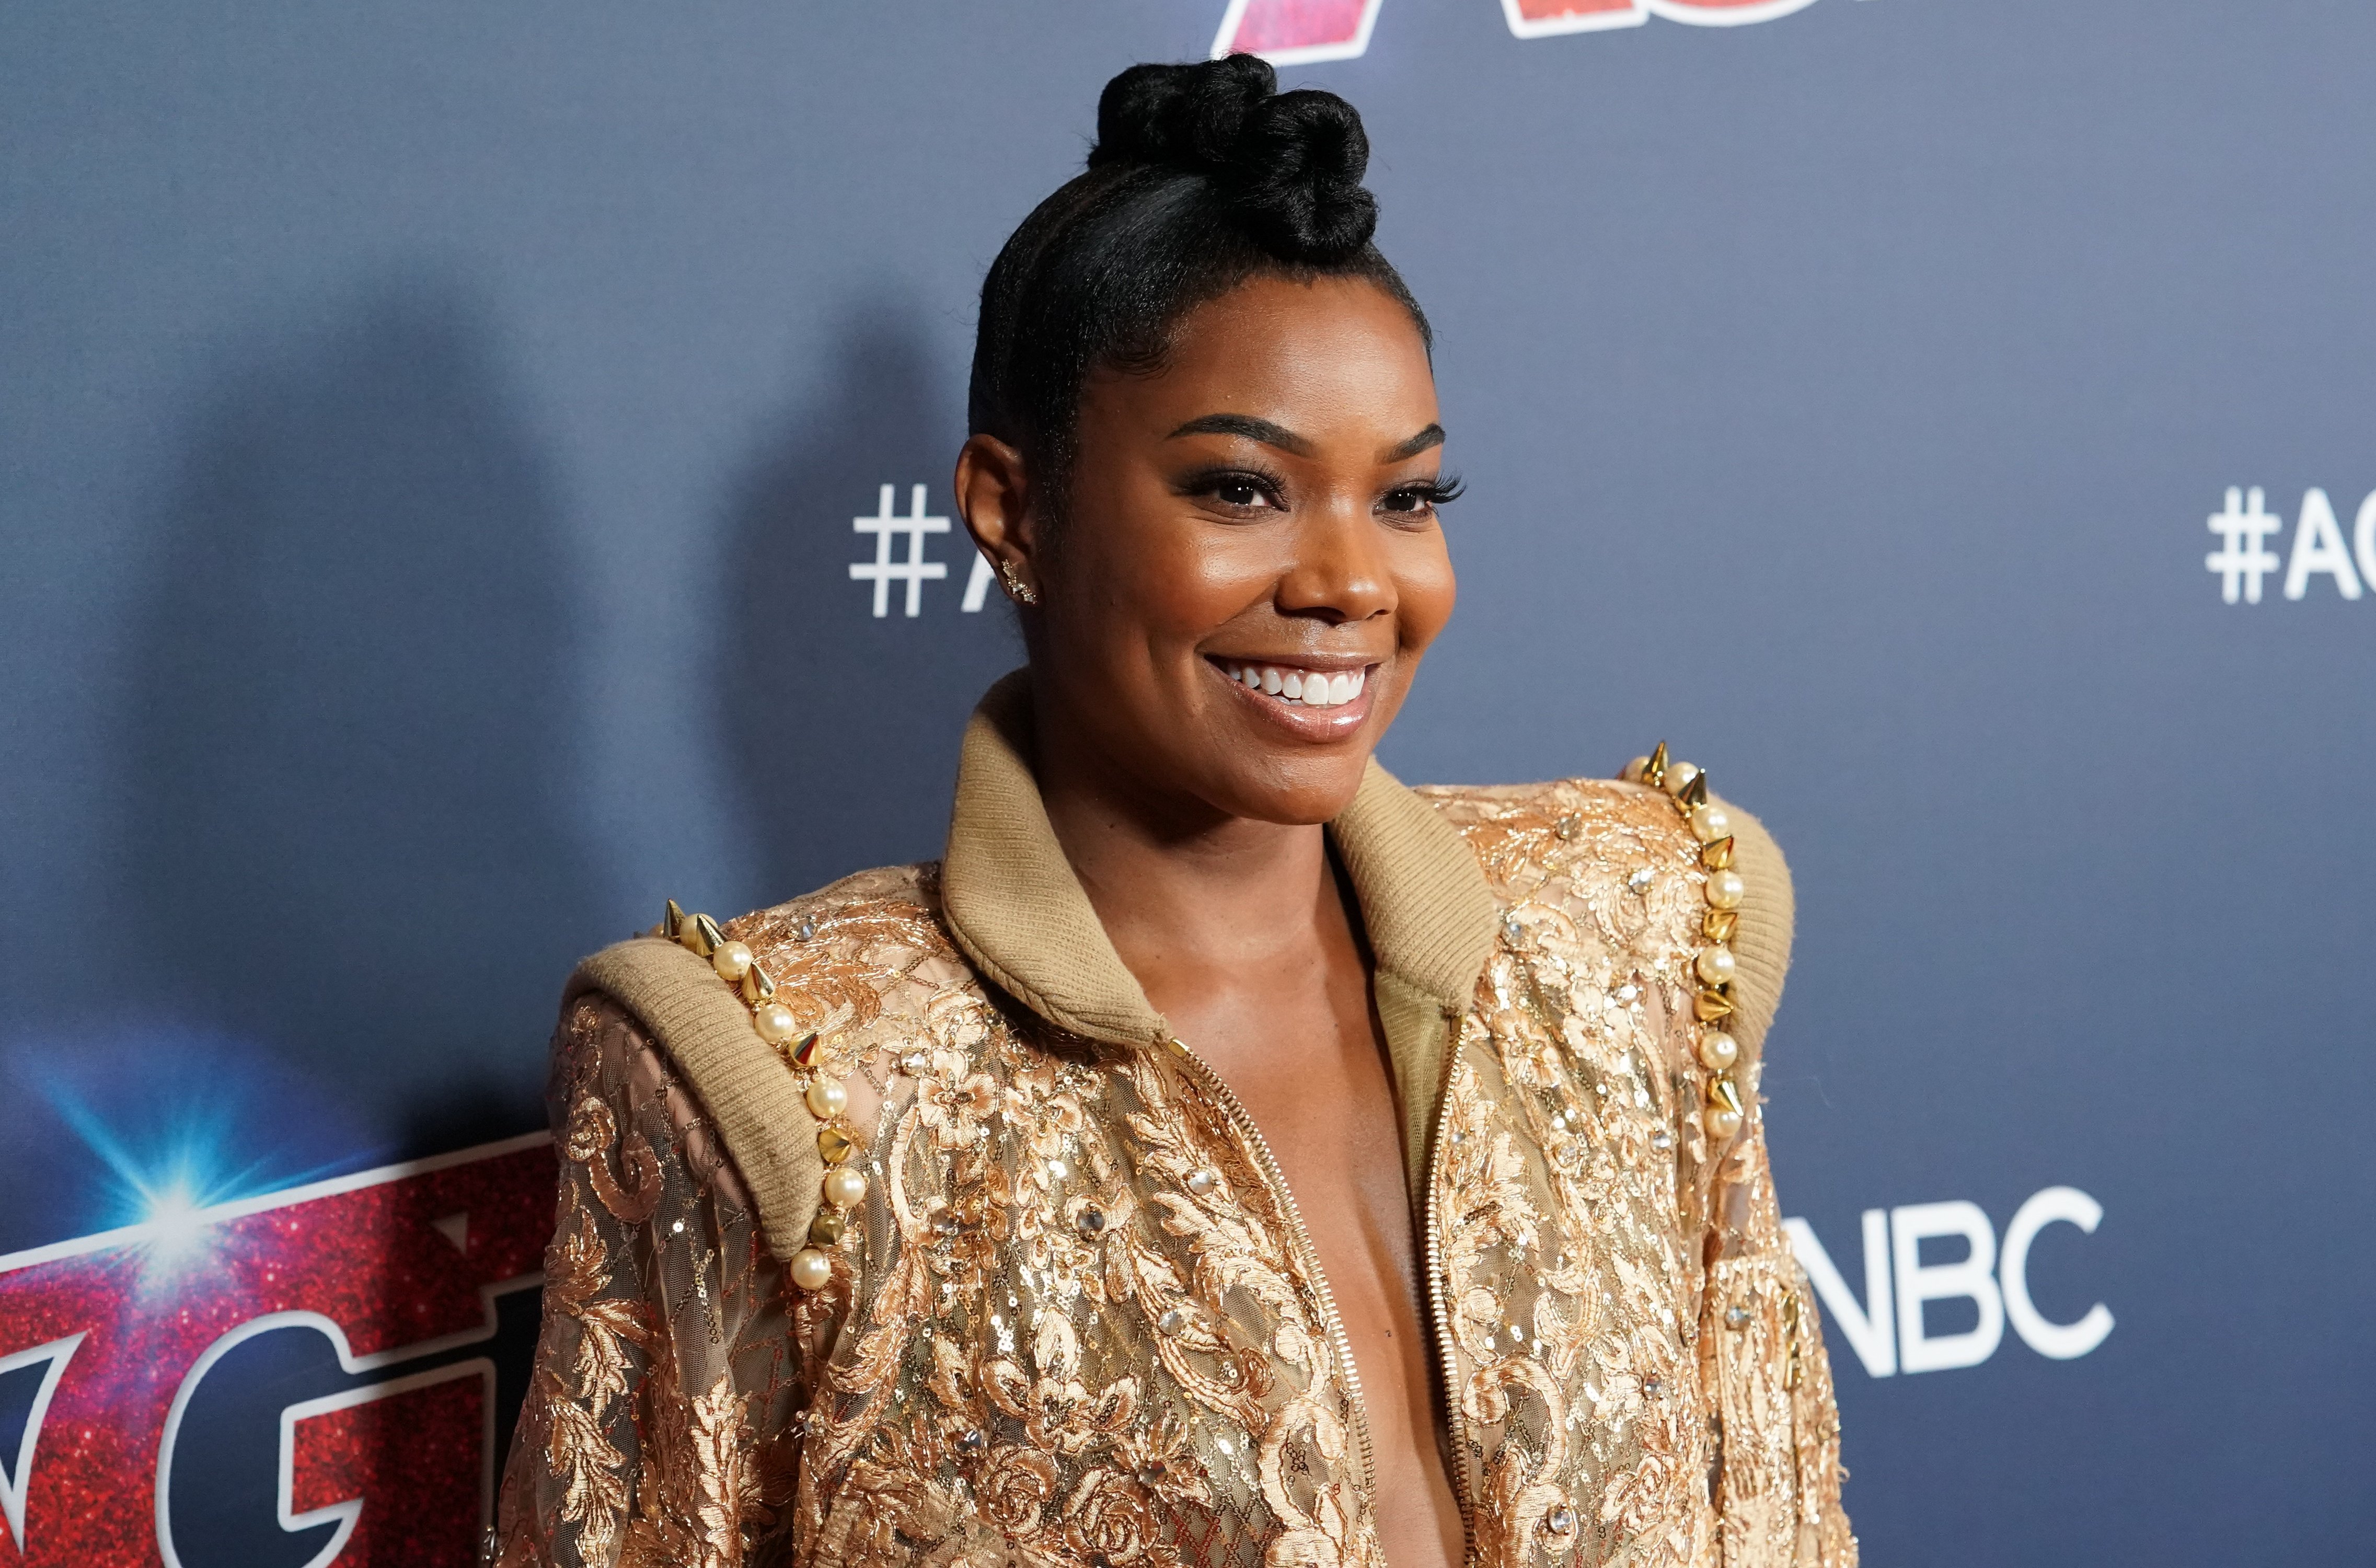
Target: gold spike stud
x=1716 y=924
x=758 y=987
x=833 y=1145
x=712 y=939
x=673 y=921
x=1696 y=792
x=1720 y=1091
x=1716 y=854
x=1654 y=772
x=804 y=1050
x=1710 y=1005
x=826 y=1227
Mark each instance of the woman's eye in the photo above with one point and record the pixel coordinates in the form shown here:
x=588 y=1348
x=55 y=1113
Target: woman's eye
x=1406 y=500
x=1239 y=492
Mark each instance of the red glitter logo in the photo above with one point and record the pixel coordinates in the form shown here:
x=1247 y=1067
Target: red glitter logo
x=1303 y=32
x=324 y=1374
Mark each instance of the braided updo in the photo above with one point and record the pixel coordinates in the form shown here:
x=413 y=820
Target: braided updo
x=1203 y=176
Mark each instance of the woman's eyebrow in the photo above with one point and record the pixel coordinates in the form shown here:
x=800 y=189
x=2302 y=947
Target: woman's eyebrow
x=1286 y=440
x=1253 y=429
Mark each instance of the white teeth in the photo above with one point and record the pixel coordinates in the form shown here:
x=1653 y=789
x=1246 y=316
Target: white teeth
x=1310 y=688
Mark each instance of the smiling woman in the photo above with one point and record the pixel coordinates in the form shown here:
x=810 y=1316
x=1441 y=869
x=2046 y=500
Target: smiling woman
x=1225 y=1155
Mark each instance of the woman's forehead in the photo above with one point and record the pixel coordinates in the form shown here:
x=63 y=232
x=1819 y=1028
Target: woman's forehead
x=1303 y=357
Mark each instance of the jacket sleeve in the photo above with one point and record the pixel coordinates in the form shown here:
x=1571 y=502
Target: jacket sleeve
x=1779 y=1432
x=1779 y=1474
x=659 y=1424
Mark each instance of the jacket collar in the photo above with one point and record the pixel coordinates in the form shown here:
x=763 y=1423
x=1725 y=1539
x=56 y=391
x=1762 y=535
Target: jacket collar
x=1020 y=914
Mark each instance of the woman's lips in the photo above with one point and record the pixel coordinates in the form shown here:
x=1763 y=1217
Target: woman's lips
x=1312 y=703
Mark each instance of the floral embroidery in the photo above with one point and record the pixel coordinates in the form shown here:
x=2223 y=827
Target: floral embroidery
x=1070 y=1326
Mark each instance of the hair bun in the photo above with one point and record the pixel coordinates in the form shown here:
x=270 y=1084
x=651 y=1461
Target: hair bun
x=1289 y=165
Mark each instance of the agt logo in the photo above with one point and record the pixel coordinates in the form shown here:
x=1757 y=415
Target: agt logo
x=888 y=571
x=1304 y=32
x=1890 y=1328
x=320 y=1373
x=2245 y=524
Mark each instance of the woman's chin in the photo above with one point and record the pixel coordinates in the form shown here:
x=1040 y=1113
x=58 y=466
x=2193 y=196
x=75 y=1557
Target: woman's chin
x=1300 y=790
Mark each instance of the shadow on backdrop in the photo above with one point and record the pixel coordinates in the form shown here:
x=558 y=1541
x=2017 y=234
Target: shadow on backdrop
x=842 y=727
x=352 y=837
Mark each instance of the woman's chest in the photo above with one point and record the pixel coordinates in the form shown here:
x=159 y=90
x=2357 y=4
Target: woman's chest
x=1095 y=1319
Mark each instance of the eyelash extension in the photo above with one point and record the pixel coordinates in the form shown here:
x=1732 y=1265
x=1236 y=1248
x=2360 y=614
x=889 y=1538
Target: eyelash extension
x=1205 y=483
x=1440 y=491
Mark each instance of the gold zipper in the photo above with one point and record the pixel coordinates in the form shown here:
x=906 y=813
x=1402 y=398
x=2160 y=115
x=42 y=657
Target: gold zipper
x=1442 y=1324
x=1235 y=1109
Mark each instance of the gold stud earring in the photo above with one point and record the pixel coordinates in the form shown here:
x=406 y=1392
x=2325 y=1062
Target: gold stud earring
x=1016 y=589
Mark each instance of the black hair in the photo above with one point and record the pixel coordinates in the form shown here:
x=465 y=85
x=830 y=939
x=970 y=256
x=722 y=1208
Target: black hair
x=1202 y=177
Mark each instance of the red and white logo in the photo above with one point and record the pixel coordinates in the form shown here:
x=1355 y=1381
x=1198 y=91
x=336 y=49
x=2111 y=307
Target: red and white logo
x=1302 y=32
x=311 y=1376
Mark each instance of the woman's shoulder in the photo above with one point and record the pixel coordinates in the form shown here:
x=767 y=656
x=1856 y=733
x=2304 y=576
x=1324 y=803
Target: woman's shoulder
x=746 y=1012
x=828 y=963
x=1603 y=842
x=1587 y=817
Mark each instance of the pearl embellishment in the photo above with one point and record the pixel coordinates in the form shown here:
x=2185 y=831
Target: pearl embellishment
x=845 y=1187
x=1712 y=968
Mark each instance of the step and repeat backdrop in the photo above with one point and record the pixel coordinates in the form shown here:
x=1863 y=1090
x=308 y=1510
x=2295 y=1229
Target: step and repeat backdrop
x=469 y=473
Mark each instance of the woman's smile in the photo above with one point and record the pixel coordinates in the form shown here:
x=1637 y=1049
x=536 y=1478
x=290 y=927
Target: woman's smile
x=1310 y=697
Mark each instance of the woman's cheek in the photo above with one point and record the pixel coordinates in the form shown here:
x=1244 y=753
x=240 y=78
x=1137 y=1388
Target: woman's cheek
x=1426 y=593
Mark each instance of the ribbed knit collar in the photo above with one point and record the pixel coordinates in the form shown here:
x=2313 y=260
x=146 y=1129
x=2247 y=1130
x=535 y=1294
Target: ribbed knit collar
x=1019 y=912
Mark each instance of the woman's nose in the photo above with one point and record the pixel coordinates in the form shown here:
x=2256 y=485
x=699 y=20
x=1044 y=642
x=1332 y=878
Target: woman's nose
x=1339 y=569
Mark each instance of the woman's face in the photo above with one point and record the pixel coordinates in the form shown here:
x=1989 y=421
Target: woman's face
x=1250 y=565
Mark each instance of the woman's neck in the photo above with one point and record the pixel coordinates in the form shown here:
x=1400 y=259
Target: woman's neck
x=1184 y=891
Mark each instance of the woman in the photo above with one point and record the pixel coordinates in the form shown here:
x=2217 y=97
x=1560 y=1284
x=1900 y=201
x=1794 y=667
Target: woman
x=1225 y=1154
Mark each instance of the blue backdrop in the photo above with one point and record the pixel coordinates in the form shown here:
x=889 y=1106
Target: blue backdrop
x=429 y=439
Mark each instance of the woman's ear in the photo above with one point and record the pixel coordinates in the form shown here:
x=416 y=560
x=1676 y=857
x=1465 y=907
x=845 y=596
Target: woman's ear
x=993 y=491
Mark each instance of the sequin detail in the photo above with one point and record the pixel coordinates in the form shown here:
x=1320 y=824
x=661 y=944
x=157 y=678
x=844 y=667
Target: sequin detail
x=1067 y=1325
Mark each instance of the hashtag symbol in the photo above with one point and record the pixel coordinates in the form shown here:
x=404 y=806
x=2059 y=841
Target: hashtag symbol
x=916 y=571
x=2243 y=557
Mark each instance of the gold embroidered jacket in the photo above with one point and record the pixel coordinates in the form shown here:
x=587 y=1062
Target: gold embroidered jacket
x=1076 y=1320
